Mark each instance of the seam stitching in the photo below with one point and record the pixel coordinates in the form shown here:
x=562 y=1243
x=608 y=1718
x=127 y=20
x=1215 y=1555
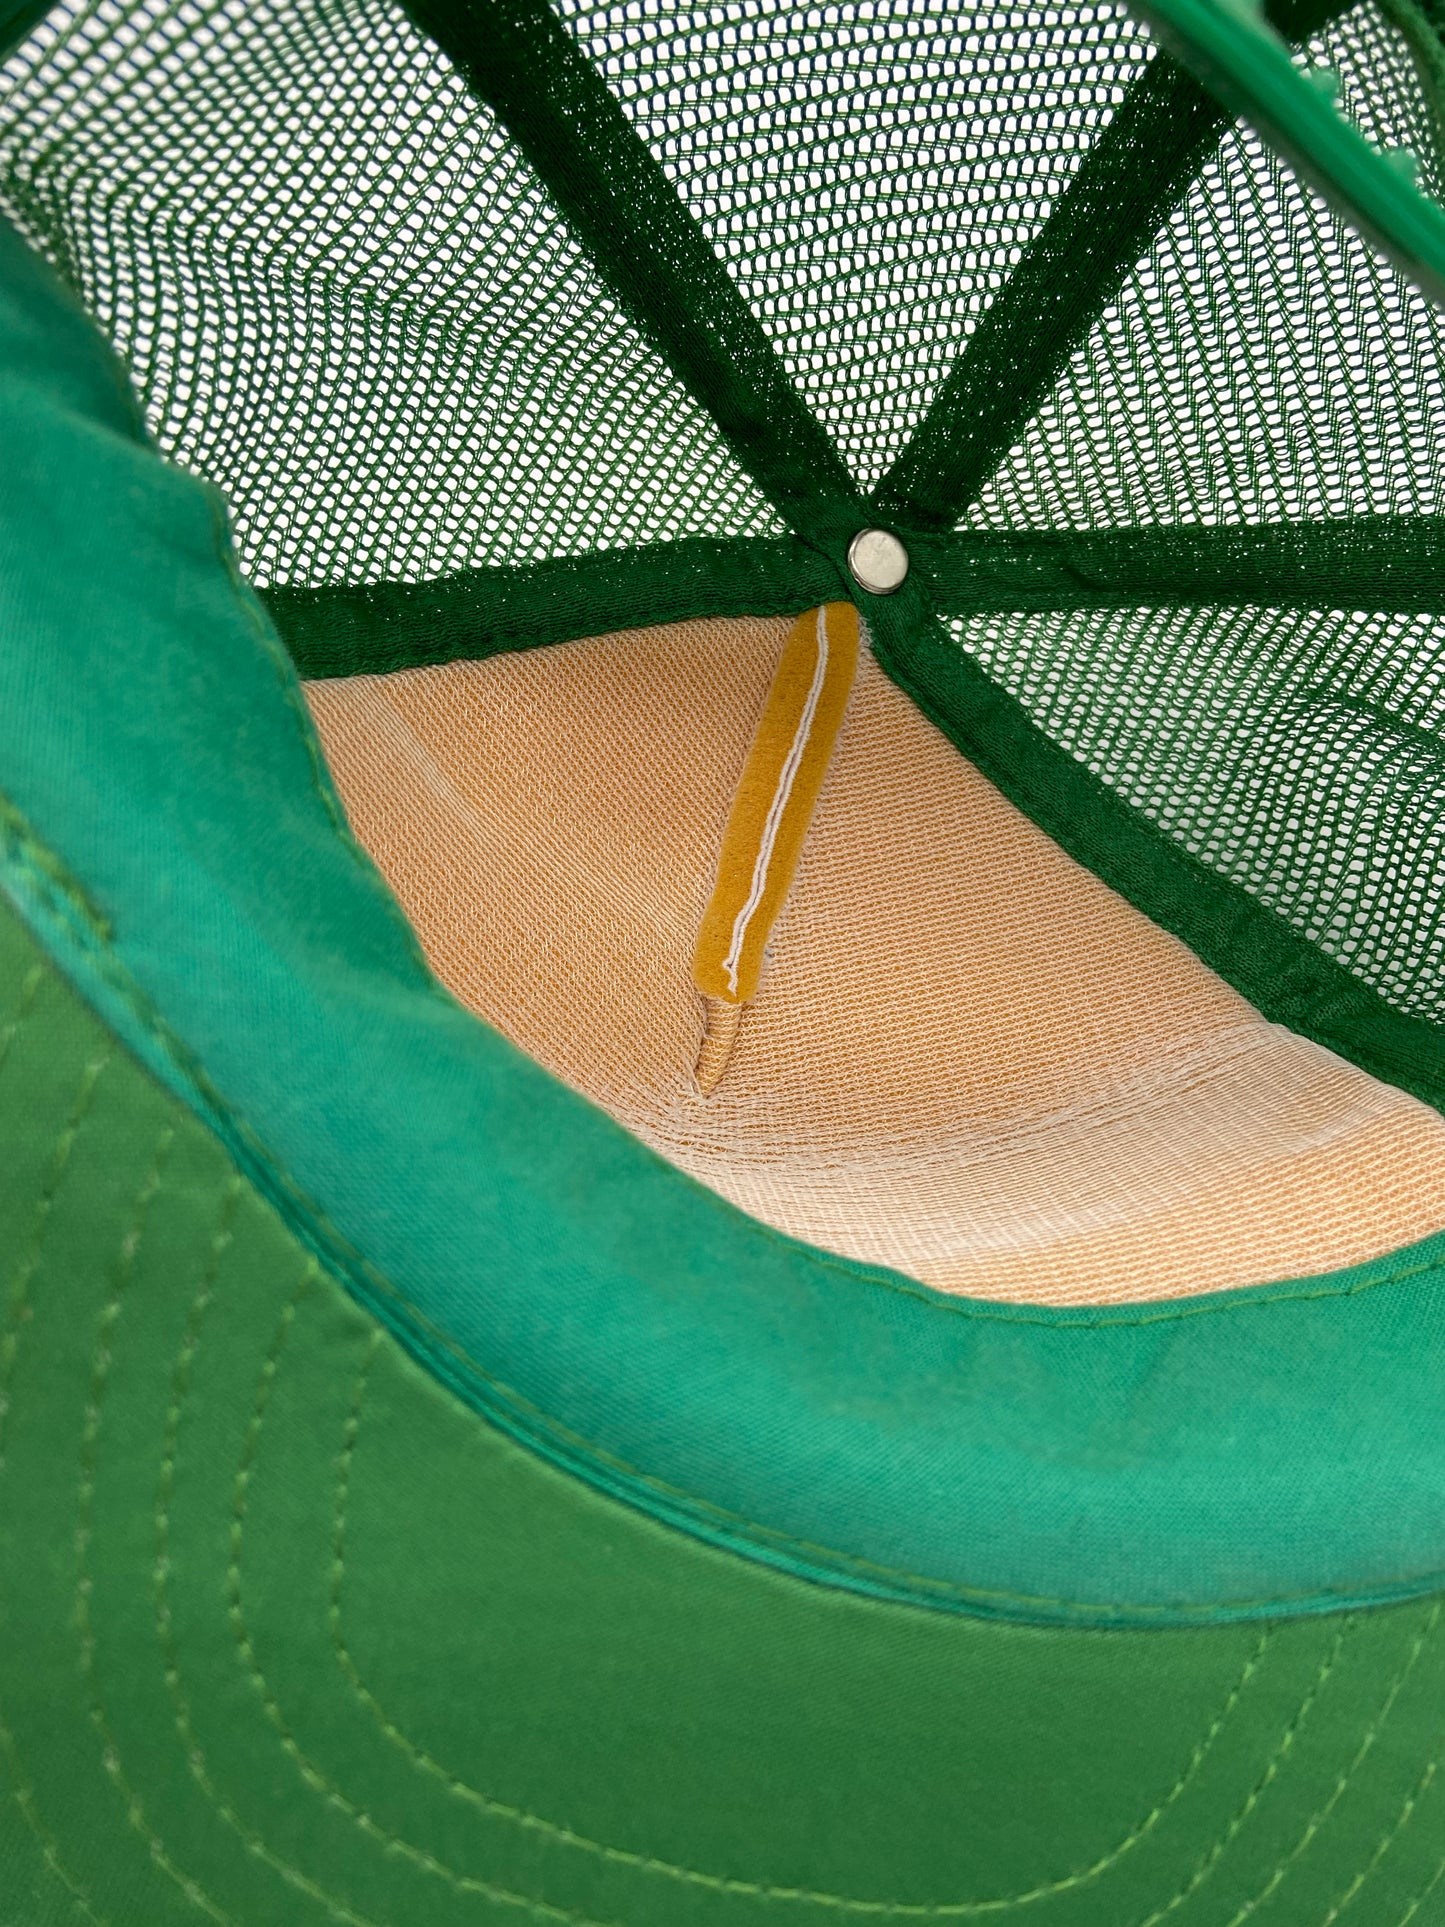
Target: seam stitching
x=310 y=1773
x=254 y=1843
x=1421 y=1895
x=24 y=1795
x=1200 y=1872
x=17 y=1308
x=1343 y=1779
x=692 y=1876
x=1424 y=1636
x=100 y=1364
x=777 y=808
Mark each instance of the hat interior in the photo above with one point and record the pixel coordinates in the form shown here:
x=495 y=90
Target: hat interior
x=971 y=1059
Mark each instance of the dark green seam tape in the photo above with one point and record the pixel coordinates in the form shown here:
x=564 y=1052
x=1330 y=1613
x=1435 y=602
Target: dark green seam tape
x=370 y=628
x=623 y=210
x=1105 y=221
x=1387 y=564
x=17 y=19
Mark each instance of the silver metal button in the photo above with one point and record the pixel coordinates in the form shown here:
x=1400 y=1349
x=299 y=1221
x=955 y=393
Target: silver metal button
x=878 y=560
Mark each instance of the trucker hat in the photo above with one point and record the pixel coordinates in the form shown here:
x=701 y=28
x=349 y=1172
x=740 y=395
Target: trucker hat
x=722 y=823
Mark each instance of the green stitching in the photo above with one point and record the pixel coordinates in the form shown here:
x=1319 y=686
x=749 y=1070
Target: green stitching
x=34 y=978
x=195 y=1757
x=63 y=893
x=1281 y=1752
x=24 y=1795
x=253 y=1841
x=1318 y=1818
x=15 y=1313
x=1418 y=1900
x=101 y=1358
x=693 y=1876
x=1422 y=1639
x=17 y=1308
x=221 y=1238
x=310 y=1773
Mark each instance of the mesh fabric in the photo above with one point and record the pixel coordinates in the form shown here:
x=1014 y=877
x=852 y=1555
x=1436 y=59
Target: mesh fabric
x=1297 y=751
x=358 y=315
x=432 y=315
x=869 y=175
x=1260 y=366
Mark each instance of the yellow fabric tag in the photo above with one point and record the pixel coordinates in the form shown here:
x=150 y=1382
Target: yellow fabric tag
x=775 y=800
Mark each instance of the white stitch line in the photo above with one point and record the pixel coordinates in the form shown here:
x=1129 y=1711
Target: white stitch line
x=778 y=805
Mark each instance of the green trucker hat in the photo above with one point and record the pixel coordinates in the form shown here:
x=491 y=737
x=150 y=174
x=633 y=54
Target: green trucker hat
x=722 y=963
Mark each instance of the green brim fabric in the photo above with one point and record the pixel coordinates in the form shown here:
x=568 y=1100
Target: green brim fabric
x=290 y=1635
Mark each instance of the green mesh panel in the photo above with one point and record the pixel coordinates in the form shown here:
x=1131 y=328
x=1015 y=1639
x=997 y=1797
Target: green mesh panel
x=1260 y=367
x=1019 y=266
x=869 y=174
x=1262 y=364
x=1297 y=752
x=360 y=318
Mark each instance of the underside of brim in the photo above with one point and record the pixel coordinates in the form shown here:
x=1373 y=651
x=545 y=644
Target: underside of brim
x=291 y=1635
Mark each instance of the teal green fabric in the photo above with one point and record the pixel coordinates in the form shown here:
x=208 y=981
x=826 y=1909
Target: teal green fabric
x=172 y=837
x=290 y=1636
x=1250 y=70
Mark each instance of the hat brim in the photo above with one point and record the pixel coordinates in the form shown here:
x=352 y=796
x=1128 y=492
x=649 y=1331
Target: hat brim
x=291 y=1634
